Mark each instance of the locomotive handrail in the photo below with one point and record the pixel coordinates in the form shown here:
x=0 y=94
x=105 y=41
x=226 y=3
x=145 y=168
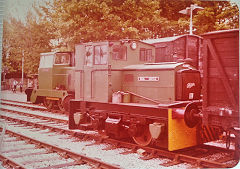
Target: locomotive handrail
x=143 y=97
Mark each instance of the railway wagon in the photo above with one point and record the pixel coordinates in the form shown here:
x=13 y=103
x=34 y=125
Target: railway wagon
x=183 y=47
x=221 y=81
x=124 y=98
x=55 y=80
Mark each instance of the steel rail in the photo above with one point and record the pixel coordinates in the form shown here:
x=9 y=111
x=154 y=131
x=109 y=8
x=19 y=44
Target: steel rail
x=31 y=105
x=80 y=159
x=52 y=128
x=37 y=116
x=11 y=162
x=176 y=157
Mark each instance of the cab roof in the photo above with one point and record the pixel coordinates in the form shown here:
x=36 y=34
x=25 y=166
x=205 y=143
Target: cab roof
x=112 y=41
x=166 y=39
x=158 y=66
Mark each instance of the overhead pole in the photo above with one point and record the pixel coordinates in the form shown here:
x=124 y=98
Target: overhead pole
x=22 y=65
x=189 y=11
x=191 y=24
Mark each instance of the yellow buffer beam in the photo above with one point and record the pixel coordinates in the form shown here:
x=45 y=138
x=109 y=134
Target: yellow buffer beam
x=179 y=135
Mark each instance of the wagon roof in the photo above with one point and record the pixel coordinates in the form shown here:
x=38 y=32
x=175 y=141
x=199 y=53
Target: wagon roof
x=121 y=40
x=166 y=39
x=221 y=31
x=158 y=66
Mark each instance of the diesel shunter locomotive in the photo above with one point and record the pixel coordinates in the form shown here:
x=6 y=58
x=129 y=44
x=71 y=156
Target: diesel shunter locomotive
x=117 y=94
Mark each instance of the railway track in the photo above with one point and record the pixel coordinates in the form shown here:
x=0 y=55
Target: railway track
x=30 y=106
x=25 y=152
x=204 y=156
x=24 y=112
x=22 y=104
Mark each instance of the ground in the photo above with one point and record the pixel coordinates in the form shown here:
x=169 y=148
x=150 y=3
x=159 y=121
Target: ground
x=9 y=95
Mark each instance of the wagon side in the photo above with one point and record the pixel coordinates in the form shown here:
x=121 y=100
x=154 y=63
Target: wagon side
x=221 y=79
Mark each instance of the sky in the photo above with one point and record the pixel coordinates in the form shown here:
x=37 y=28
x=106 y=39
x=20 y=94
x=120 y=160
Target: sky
x=19 y=8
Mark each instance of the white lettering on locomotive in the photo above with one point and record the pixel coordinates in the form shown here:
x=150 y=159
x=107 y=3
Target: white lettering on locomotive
x=190 y=85
x=152 y=79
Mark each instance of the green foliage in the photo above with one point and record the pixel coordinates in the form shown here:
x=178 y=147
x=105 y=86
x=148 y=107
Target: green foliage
x=217 y=15
x=94 y=20
x=24 y=40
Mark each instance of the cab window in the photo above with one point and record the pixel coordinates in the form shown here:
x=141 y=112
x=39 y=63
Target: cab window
x=46 y=61
x=145 y=55
x=100 y=54
x=119 y=52
x=62 y=59
x=89 y=55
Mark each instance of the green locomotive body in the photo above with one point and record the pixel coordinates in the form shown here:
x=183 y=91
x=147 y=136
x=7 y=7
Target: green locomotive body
x=125 y=97
x=55 y=80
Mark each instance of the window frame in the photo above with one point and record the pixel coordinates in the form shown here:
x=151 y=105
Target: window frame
x=145 y=55
x=120 y=47
x=57 y=54
x=88 y=60
x=46 y=61
x=94 y=55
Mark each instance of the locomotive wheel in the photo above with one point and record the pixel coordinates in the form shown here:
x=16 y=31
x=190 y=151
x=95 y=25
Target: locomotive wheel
x=60 y=105
x=48 y=103
x=145 y=138
x=66 y=102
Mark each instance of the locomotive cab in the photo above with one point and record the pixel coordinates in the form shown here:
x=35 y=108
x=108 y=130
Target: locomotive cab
x=55 y=80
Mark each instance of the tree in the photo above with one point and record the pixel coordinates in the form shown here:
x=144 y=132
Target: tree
x=95 y=20
x=217 y=15
x=12 y=45
x=24 y=40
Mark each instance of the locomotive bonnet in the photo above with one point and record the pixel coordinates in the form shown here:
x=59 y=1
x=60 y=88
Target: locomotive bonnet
x=165 y=82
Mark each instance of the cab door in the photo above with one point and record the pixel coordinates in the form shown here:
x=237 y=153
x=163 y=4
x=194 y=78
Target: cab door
x=45 y=70
x=92 y=71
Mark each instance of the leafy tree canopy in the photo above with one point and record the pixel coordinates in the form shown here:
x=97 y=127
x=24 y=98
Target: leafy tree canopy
x=23 y=41
x=94 y=20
